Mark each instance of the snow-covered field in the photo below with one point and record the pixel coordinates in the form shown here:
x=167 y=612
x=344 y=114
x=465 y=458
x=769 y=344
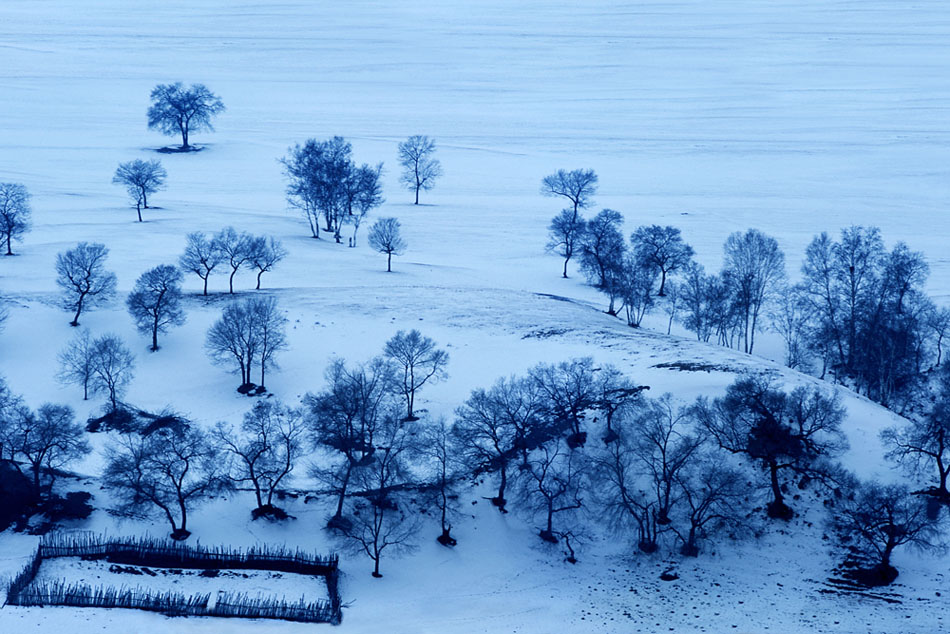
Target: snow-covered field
x=792 y=117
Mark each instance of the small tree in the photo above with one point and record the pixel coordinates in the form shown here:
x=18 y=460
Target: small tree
x=877 y=519
x=661 y=248
x=269 y=324
x=155 y=302
x=82 y=276
x=602 y=254
x=755 y=268
x=77 y=362
x=568 y=392
x=140 y=179
x=265 y=253
x=420 y=170
x=552 y=485
x=710 y=500
x=385 y=237
x=179 y=110
x=168 y=470
x=320 y=179
x=248 y=332
x=565 y=235
x=48 y=439
x=420 y=362
x=236 y=250
x=578 y=186
x=202 y=255
x=113 y=368
x=266 y=450
x=14 y=213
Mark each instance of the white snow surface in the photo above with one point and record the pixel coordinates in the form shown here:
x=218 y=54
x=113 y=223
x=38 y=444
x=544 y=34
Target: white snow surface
x=791 y=117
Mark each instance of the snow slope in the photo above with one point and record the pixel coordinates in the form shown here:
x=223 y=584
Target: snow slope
x=793 y=117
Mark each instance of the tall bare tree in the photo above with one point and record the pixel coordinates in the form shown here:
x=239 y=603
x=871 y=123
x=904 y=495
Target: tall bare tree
x=420 y=169
x=15 y=213
x=756 y=269
x=113 y=368
x=578 y=186
x=236 y=249
x=47 y=440
x=385 y=236
x=140 y=179
x=155 y=302
x=419 y=360
x=266 y=252
x=81 y=274
x=202 y=256
x=661 y=248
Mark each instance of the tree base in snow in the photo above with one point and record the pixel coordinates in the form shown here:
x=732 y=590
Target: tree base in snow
x=688 y=550
x=270 y=512
x=339 y=523
x=779 y=511
x=500 y=503
x=180 y=534
x=548 y=536
x=879 y=575
x=446 y=539
x=577 y=440
x=647 y=547
x=177 y=149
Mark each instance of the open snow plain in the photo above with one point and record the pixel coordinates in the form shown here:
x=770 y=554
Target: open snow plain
x=792 y=117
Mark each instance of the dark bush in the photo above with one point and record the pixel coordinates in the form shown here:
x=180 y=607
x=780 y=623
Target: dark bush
x=74 y=506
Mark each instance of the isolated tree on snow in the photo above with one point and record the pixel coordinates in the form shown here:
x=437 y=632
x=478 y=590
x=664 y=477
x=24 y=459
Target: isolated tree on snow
x=266 y=450
x=565 y=235
x=82 y=276
x=419 y=361
x=202 y=256
x=77 y=362
x=385 y=237
x=796 y=432
x=155 y=302
x=113 y=368
x=578 y=186
x=265 y=253
x=661 y=248
x=420 y=169
x=169 y=470
x=236 y=248
x=14 y=213
x=48 y=439
x=876 y=519
x=179 y=110
x=140 y=178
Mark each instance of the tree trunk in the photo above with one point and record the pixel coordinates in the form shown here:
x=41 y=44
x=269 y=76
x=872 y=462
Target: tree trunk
x=205 y=278
x=231 y=281
x=10 y=252
x=346 y=481
x=258 y=287
x=155 y=336
x=389 y=262
x=184 y=139
x=662 y=283
x=138 y=210
x=75 y=321
x=564 y=274
x=376 y=567
x=417 y=194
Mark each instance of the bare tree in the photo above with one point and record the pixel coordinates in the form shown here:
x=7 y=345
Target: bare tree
x=11 y=408
x=922 y=447
x=202 y=256
x=15 y=213
x=711 y=498
x=248 y=332
x=344 y=418
x=786 y=433
x=791 y=318
x=48 y=439
x=939 y=323
x=565 y=235
x=364 y=194
x=615 y=395
x=155 y=302
x=757 y=267
x=140 y=179
x=420 y=169
x=168 y=470
x=877 y=519
x=385 y=237
x=617 y=485
x=664 y=444
x=552 y=486
x=82 y=275
x=318 y=173
x=76 y=362
x=236 y=250
x=380 y=520
x=578 y=186
x=420 y=362
x=568 y=392
x=266 y=450
x=113 y=368
x=179 y=110
x=602 y=253
x=265 y=253
x=661 y=248
x=633 y=282
x=439 y=449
